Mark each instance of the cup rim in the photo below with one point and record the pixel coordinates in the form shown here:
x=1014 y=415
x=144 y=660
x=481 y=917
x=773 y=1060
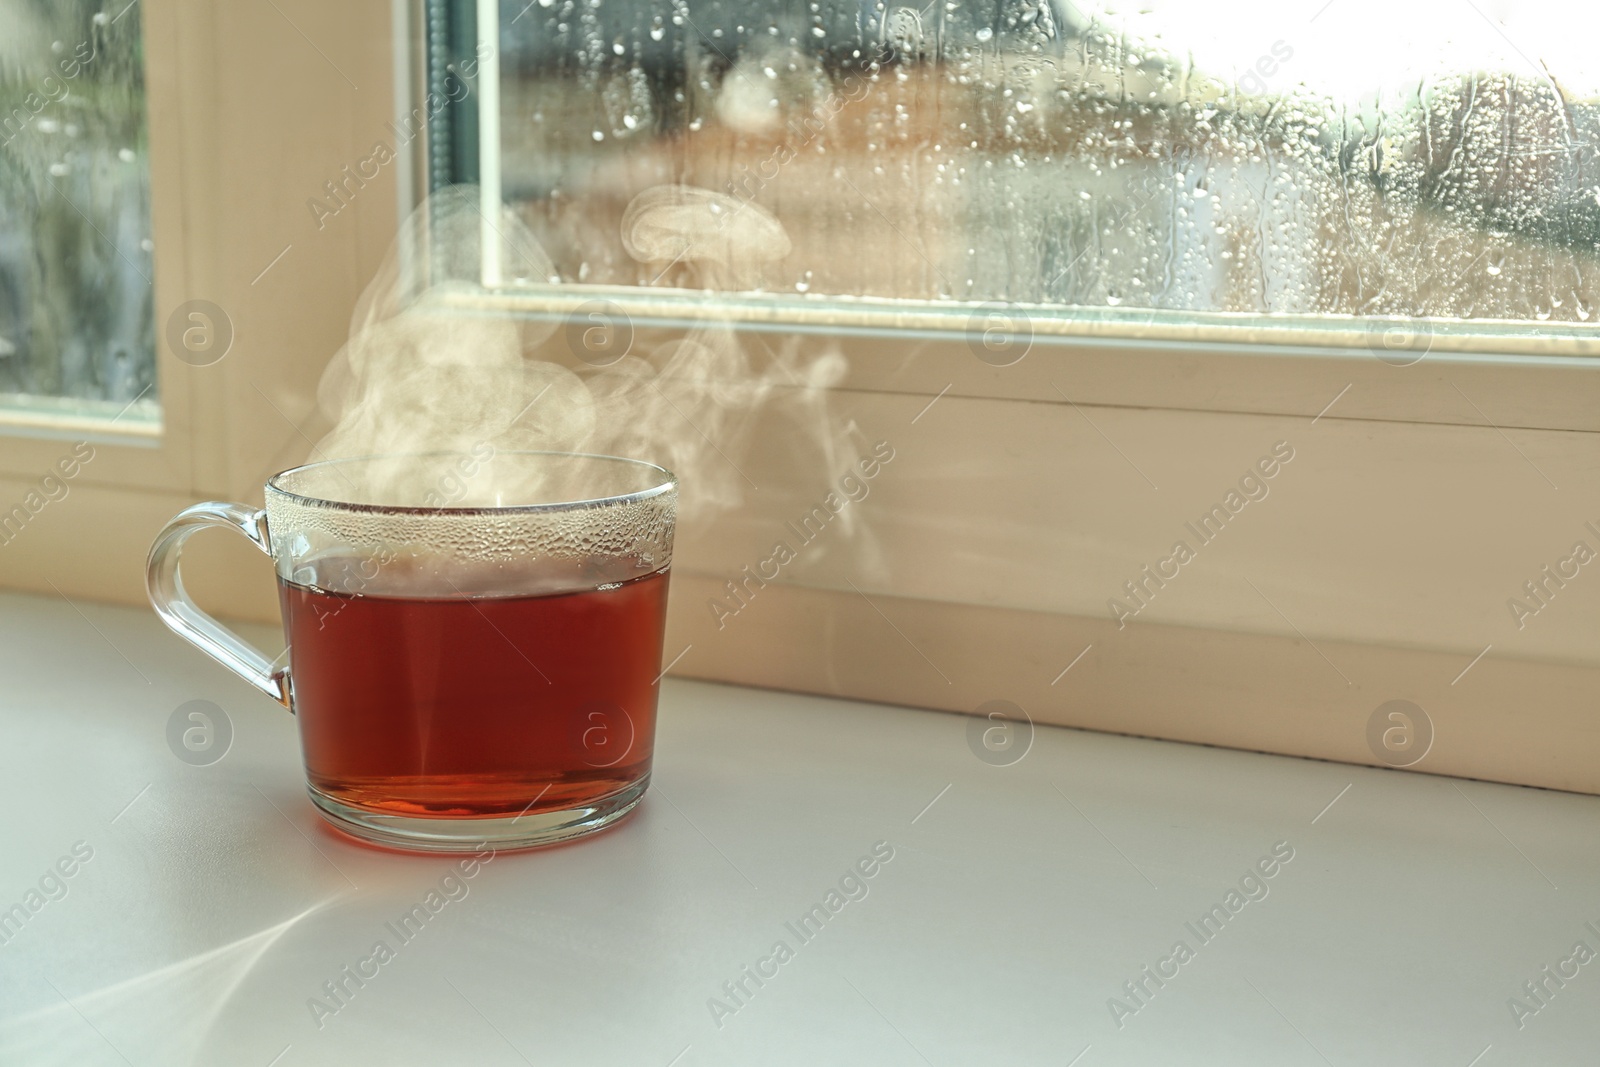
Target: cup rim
x=667 y=483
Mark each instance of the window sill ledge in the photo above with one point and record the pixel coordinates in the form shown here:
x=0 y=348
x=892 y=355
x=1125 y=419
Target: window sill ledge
x=1068 y=872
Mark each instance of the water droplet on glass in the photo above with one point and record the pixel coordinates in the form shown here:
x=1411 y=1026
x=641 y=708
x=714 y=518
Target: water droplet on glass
x=985 y=34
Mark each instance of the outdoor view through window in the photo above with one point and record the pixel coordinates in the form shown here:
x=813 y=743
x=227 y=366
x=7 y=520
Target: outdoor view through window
x=1166 y=159
x=75 y=251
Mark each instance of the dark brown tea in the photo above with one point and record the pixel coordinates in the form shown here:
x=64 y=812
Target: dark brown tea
x=540 y=696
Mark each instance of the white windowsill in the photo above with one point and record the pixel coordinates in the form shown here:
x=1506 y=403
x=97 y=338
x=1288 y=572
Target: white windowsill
x=1019 y=899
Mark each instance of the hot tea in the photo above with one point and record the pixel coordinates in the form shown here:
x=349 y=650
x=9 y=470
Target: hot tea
x=475 y=695
x=474 y=638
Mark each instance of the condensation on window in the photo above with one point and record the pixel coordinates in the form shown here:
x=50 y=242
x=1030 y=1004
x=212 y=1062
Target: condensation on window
x=75 y=241
x=1345 y=157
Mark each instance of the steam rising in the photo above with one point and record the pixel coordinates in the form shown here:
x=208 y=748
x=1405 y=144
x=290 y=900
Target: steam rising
x=436 y=363
x=728 y=239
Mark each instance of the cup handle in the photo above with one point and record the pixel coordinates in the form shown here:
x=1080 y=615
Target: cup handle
x=183 y=617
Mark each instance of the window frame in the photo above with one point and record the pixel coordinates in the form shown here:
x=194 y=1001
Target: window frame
x=149 y=455
x=1260 y=364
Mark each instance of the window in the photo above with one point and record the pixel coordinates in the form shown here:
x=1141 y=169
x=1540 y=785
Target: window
x=1022 y=496
x=76 y=256
x=1158 y=166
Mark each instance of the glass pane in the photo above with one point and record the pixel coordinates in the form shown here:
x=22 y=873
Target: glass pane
x=76 y=334
x=1345 y=158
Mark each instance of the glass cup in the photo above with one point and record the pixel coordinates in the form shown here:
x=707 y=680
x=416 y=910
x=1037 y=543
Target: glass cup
x=474 y=638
